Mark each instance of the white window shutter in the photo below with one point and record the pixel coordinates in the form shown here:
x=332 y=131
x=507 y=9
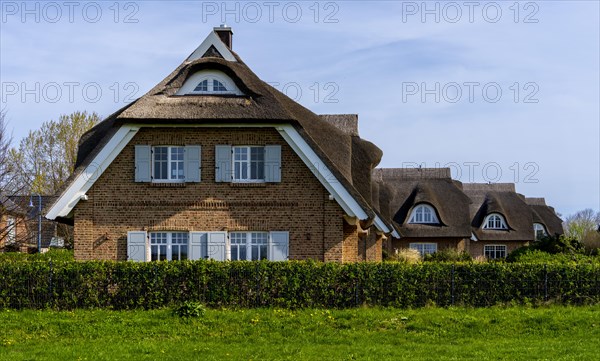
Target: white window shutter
x=137 y=246
x=192 y=163
x=143 y=163
x=279 y=246
x=198 y=245
x=273 y=163
x=223 y=163
x=217 y=246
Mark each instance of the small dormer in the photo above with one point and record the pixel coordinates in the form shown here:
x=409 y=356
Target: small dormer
x=495 y=221
x=209 y=82
x=423 y=214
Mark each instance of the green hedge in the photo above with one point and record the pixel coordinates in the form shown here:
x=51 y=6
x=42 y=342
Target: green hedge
x=296 y=284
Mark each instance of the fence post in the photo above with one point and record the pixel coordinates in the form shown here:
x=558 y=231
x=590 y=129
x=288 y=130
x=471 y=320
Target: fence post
x=452 y=287
x=50 y=283
x=545 y=282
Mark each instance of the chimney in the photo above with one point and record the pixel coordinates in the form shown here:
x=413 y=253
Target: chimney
x=225 y=34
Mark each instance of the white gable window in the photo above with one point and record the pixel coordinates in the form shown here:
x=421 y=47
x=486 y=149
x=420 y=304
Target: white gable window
x=423 y=213
x=167 y=164
x=209 y=82
x=494 y=221
x=539 y=230
x=494 y=251
x=249 y=164
x=168 y=246
x=424 y=248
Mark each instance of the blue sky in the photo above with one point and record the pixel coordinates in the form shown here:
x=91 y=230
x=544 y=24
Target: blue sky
x=498 y=91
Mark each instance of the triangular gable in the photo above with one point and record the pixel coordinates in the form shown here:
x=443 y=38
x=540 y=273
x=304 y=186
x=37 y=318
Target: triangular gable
x=212 y=40
x=212 y=52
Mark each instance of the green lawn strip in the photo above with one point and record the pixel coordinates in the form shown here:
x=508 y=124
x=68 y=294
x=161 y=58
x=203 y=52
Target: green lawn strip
x=513 y=333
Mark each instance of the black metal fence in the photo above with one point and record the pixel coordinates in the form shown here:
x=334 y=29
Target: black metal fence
x=123 y=285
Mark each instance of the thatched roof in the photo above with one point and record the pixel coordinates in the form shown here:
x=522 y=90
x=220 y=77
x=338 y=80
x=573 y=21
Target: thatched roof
x=499 y=198
x=350 y=158
x=545 y=215
x=400 y=189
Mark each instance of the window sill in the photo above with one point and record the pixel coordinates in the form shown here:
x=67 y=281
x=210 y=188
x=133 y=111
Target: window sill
x=248 y=184
x=167 y=185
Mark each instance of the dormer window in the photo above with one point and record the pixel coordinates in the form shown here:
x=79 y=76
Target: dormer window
x=495 y=221
x=209 y=82
x=539 y=230
x=423 y=214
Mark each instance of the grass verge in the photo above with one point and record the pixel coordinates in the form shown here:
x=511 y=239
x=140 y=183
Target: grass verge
x=511 y=333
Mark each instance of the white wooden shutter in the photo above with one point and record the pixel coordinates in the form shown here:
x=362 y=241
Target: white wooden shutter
x=279 y=246
x=192 y=163
x=273 y=163
x=217 y=246
x=137 y=246
x=143 y=163
x=223 y=163
x=198 y=245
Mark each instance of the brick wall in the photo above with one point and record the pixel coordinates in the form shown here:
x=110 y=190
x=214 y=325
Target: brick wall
x=299 y=204
x=442 y=243
x=477 y=247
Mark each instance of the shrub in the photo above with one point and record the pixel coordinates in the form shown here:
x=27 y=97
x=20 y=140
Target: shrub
x=551 y=245
x=293 y=284
x=448 y=255
x=406 y=255
x=53 y=254
x=190 y=309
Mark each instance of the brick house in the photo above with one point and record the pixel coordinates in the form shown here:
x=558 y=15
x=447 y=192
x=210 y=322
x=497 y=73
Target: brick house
x=431 y=212
x=215 y=163
x=13 y=228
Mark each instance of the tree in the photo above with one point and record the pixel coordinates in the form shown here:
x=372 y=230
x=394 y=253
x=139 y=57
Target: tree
x=583 y=225
x=46 y=157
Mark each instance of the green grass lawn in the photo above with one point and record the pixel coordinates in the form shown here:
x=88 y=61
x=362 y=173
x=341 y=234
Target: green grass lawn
x=513 y=333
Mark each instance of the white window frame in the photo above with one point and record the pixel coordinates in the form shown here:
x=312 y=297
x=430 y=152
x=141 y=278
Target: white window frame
x=499 y=251
x=189 y=86
x=170 y=244
x=247 y=164
x=169 y=162
x=539 y=227
x=11 y=229
x=419 y=211
x=424 y=247
x=497 y=220
x=249 y=238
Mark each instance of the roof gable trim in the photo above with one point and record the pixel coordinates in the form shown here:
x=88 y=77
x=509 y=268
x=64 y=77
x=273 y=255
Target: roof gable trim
x=212 y=40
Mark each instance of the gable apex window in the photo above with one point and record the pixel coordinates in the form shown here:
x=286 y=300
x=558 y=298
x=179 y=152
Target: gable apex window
x=209 y=82
x=539 y=230
x=423 y=214
x=495 y=221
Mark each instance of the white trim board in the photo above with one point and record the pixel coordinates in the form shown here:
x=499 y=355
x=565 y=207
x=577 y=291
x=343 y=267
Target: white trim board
x=84 y=181
x=214 y=40
x=67 y=201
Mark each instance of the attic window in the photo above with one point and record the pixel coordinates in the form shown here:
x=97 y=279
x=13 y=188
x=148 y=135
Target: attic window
x=494 y=221
x=423 y=214
x=539 y=230
x=209 y=82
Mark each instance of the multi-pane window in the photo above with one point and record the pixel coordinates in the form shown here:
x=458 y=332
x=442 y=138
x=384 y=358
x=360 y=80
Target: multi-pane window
x=494 y=221
x=539 y=231
x=168 y=163
x=218 y=86
x=423 y=213
x=249 y=164
x=210 y=85
x=11 y=229
x=250 y=246
x=202 y=86
x=494 y=251
x=168 y=246
x=424 y=248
